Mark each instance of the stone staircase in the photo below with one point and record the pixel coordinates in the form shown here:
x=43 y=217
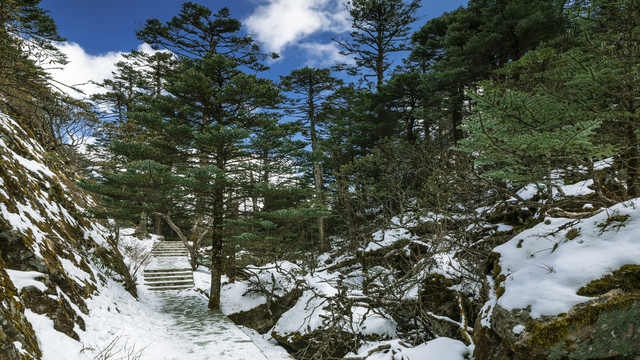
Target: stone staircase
x=169 y=268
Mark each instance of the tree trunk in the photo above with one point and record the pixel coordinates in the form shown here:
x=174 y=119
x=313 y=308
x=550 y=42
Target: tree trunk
x=317 y=176
x=158 y=224
x=141 y=228
x=192 y=247
x=456 y=116
x=632 y=164
x=216 y=246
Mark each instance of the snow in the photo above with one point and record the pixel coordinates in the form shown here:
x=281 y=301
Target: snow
x=528 y=192
x=448 y=319
x=384 y=238
x=18 y=346
x=558 y=188
x=603 y=164
x=487 y=309
x=579 y=188
x=54 y=344
x=32 y=165
x=304 y=317
x=518 y=329
x=322 y=282
x=236 y=297
x=398 y=230
x=547 y=279
x=267 y=345
x=21 y=279
x=163 y=263
x=74 y=272
x=370 y=323
x=175 y=325
x=437 y=349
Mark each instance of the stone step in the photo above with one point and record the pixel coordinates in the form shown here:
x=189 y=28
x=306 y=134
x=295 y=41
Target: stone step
x=166 y=270
x=167 y=274
x=162 y=276
x=162 y=288
x=171 y=283
x=156 y=281
x=167 y=278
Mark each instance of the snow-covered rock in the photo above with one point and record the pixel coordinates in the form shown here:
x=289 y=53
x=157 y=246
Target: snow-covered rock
x=567 y=287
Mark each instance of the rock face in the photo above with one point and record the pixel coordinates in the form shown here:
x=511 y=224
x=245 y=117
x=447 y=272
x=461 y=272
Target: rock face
x=41 y=236
x=606 y=327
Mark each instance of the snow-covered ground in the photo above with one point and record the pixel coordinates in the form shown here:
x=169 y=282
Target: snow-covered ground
x=159 y=325
x=308 y=314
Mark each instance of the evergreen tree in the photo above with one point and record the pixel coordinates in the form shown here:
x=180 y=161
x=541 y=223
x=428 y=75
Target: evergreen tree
x=460 y=48
x=380 y=28
x=313 y=86
x=26 y=36
x=603 y=68
x=534 y=124
x=543 y=111
x=209 y=111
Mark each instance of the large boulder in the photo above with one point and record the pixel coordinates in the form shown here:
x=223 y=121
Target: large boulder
x=565 y=289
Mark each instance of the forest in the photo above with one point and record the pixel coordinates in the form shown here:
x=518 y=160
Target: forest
x=399 y=172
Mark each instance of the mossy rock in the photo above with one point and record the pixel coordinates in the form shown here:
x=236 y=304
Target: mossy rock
x=489 y=346
x=57 y=309
x=263 y=317
x=627 y=279
x=605 y=328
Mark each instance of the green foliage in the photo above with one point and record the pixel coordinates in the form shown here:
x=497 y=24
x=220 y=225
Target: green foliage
x=196 y=31
x=460 y=48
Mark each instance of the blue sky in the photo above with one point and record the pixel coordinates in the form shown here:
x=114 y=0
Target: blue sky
x=299 y=30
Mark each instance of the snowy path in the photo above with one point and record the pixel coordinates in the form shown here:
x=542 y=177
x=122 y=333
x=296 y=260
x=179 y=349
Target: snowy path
x=193 y=332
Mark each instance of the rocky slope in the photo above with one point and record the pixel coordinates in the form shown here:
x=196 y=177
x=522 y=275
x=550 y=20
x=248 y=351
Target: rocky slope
x=51 y=259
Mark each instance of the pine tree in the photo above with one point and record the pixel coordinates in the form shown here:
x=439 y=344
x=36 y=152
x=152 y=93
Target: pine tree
x=311 y=88
x=460 y=48
x=26 y=36
x=209 y=111
x=380 y=28
x=604 y=69
x=527 y=129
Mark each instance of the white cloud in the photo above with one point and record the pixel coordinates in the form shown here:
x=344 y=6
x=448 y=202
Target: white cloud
x=323 y=55
x=282 y=23
x=83 y=68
